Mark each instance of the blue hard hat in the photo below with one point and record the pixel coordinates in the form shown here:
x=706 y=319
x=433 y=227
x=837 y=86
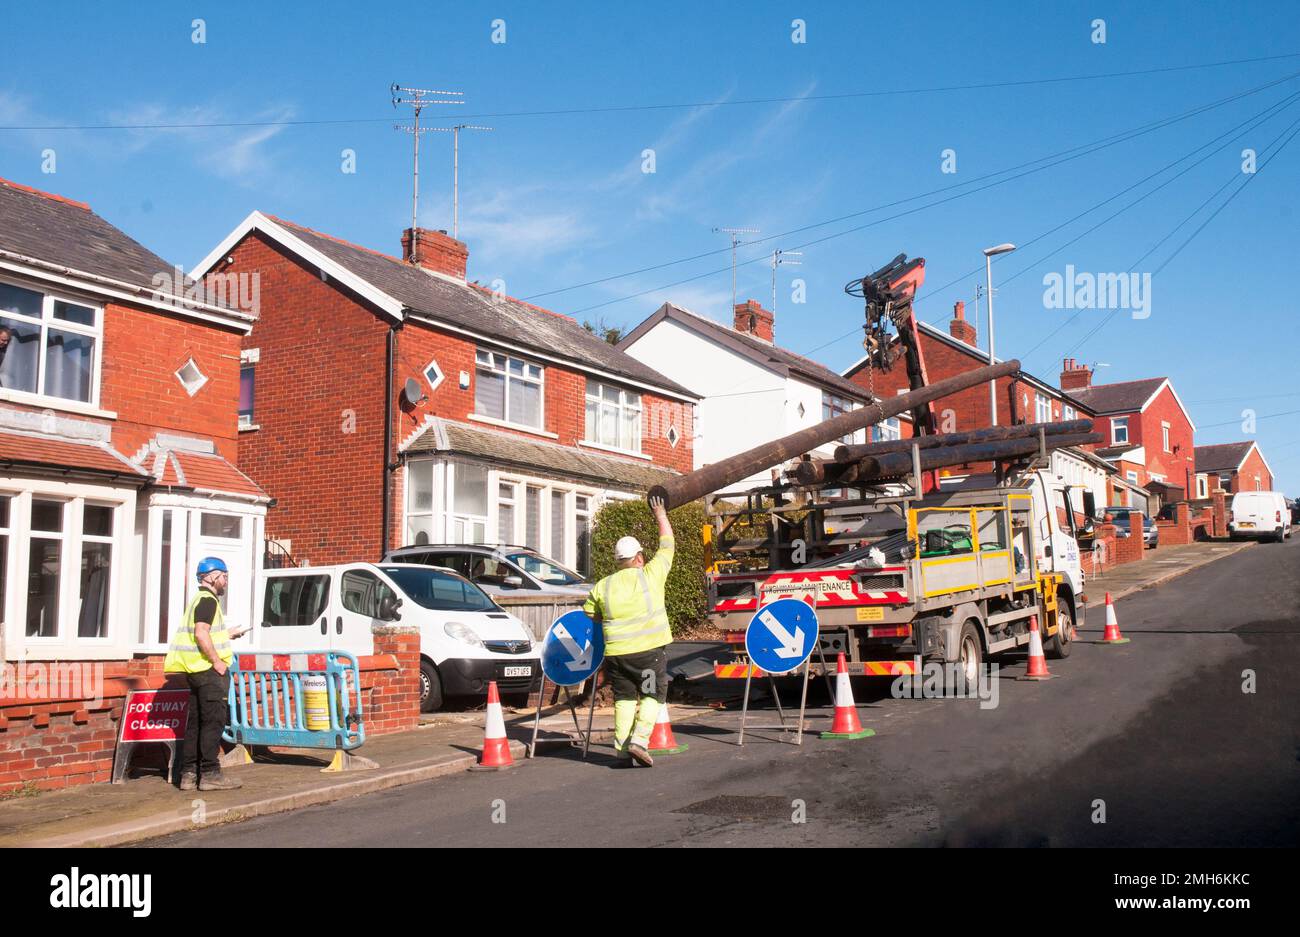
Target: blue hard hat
x=211 y=564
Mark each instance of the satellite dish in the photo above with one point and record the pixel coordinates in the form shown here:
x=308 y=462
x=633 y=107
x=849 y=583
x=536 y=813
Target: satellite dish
x=411 y=395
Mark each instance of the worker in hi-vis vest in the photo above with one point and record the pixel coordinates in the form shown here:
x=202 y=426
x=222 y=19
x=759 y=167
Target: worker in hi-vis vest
x=629 y=604
x=201 y=650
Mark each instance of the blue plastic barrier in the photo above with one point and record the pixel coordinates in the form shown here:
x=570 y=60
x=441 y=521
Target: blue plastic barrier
x=267 y=701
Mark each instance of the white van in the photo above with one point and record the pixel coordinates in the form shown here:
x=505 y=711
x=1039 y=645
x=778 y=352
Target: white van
x=466 y=639
x=1259 y=514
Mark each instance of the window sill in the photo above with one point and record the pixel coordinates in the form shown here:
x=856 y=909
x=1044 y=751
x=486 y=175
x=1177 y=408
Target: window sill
x=56 y=403
x=587 y=444
x=493 y=421
x=249 y=427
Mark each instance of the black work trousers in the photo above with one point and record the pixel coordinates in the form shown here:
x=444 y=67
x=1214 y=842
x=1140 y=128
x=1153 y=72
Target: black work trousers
x=209 y=711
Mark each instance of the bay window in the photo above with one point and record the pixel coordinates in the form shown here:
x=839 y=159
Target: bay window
x=507 y=389
x=613 y=416
x=56 y=566
x=49 y=347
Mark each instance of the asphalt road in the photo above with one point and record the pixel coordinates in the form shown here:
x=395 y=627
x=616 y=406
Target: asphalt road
x=1157 y=734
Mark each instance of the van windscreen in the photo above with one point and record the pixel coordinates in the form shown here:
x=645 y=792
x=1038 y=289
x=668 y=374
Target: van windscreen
x=439 y=591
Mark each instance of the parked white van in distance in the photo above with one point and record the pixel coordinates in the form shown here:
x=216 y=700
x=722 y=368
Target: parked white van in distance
x=466 y=639
x=1261 y=514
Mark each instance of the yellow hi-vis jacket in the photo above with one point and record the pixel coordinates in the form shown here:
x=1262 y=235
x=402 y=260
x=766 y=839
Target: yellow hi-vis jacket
x=630 y=604
x=184 y=655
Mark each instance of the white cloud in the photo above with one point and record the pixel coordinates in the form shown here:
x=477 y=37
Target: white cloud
x=234 y=153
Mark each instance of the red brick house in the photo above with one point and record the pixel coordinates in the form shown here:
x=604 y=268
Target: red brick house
x=1149 y=430
x=1021 y=398
x=1232 y=467
x=389 y=401
x=119 y=385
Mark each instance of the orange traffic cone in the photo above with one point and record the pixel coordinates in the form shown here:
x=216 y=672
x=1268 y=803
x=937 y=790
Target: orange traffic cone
x=662 y=741
x=846 y=724
x=496 y=747
x=1112 y=635
x=1037 y=669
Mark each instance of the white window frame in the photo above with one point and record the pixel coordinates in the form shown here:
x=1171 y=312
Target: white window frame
x=834 y=405
x=1131 y=476
x=65 y=644
x=444 y=514
x=192 y=387
x=46 y=322
x=1164 y=434
x=246 y=420
x=466 y=519
x=1202 y=487
x=433 y=382
x=628 y=401
x=188 y=544
x=1042 y=408
x=539 y=381
x=1069 y=413
x=1116 y=424
x=887 y=430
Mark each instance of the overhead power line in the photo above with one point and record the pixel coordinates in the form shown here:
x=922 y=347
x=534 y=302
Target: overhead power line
x=623 y=108
x=1255 y=120
x=1293 y=129
x=1100 y=143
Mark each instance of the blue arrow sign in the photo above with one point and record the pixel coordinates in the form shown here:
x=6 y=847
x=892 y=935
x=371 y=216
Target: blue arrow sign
x=780 y=636
x=573 y=649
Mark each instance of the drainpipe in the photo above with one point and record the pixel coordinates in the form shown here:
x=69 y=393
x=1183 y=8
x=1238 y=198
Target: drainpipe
x=391 y=355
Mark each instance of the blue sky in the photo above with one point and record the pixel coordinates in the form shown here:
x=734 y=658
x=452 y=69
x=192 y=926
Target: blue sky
x=551 y=201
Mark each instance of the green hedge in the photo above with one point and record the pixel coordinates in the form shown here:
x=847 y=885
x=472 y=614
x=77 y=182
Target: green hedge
x=685 y=595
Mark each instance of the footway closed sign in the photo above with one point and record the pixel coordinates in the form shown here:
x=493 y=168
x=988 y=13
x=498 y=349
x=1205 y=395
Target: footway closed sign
x=155 y=716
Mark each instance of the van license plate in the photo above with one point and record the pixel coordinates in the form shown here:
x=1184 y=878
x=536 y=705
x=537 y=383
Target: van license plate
x=1246 y=524
x=518 y=672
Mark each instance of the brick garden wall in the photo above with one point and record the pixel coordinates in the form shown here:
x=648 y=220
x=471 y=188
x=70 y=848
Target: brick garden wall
x=49 y=742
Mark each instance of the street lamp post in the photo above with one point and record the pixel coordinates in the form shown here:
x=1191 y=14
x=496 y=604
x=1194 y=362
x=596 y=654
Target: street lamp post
x=989 y=253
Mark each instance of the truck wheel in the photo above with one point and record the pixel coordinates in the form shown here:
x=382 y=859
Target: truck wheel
x=430 y=687
x=1058 y=646
x=970 y=653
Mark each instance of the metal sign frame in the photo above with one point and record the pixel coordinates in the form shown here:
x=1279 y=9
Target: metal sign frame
x=806 y=664
x=124 y=751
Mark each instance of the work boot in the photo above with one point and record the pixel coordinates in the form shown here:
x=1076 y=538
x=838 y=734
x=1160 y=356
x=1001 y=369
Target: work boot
x=219 y=782
x=189 y=780
x=640 y=754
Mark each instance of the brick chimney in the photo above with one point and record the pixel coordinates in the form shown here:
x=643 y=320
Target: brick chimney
x=438 y=251
x=753 y=319
x=960 y=328
x=1075 y=375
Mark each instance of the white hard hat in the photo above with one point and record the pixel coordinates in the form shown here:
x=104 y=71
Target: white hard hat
x=626 y=548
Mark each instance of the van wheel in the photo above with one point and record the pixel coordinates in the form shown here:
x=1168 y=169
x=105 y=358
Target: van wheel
x=1058 y=646
x=430 y=687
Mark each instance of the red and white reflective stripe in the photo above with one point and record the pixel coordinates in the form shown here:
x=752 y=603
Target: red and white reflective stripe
x=284 y=663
